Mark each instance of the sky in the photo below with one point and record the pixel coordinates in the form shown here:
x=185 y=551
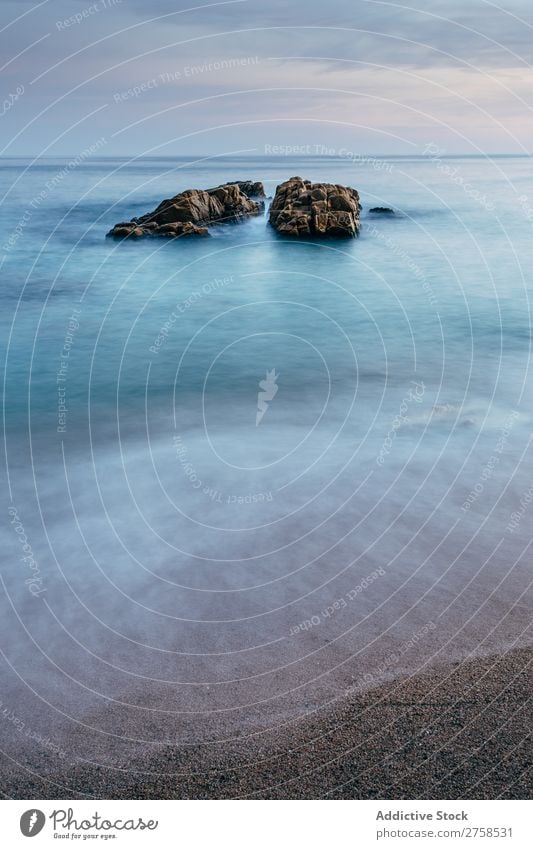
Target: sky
x=180 y=77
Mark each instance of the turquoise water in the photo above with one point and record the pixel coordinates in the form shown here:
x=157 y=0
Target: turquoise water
x=167 y=527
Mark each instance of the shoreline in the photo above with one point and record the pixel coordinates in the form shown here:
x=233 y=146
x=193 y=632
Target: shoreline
x=458 y=731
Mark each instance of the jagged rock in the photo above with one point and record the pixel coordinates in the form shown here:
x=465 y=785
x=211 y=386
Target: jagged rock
x=131 y=230
x=382 y=210
x=188 y=213
x=315 y=210
x=250 y=188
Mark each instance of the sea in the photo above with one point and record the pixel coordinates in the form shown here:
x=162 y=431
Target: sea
x=244 y=475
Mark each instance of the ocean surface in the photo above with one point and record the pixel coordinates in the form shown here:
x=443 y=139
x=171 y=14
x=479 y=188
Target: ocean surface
x=176 y=567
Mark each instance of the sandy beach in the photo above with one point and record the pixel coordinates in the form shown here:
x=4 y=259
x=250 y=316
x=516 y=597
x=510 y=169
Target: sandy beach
x=458 y=731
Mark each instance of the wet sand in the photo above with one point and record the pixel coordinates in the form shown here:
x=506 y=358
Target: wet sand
x=459 y=731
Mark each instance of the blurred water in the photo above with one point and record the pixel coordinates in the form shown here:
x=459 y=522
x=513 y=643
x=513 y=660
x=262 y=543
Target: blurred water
x=178 y=545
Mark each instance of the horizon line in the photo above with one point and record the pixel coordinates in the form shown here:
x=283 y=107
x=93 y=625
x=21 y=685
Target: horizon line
x=218 y=156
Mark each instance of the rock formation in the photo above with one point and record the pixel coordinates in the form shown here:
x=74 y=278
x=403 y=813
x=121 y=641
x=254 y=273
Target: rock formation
x=189 y=213
x=382 y=210
x=249 y=188
x=315 y=210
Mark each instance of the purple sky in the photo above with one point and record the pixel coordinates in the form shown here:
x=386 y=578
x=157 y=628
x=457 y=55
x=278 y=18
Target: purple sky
x=166 y=77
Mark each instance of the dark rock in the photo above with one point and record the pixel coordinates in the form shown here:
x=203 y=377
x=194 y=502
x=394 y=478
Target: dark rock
x=122 y=231
x=189 y=213
x=177 y=228
x=382 y=210
x=249 y=188
x=315 y=210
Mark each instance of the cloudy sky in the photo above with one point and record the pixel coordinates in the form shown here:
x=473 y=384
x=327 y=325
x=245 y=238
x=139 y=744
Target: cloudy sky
x=181 y=76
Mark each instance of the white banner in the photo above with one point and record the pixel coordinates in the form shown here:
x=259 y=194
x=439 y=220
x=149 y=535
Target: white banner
x=262 y=825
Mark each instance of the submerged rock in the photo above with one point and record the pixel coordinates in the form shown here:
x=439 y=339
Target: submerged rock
x=382 y=210
x=315 y=210
x=189 y=213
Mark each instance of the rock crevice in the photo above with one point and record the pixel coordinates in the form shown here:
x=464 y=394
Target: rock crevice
x=315 y=210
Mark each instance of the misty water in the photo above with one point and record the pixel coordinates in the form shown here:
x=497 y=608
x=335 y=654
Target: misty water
x=190 y=572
